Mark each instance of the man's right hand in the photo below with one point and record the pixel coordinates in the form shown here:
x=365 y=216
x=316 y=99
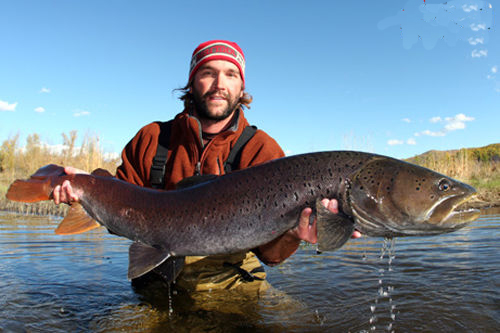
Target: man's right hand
x=64 y=193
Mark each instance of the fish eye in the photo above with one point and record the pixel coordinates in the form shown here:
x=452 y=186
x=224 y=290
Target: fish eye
x=444 y=185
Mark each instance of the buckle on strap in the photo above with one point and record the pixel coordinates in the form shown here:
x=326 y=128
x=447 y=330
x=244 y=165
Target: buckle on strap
x=246 y=275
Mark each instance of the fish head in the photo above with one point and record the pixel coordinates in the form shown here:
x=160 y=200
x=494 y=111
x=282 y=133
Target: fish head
x=391 y=198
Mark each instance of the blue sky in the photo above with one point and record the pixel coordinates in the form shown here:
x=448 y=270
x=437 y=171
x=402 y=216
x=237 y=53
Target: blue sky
x=391 y=77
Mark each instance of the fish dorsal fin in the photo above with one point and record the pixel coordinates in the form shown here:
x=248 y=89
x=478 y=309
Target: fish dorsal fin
x=144 y=258
x=194 y=180
x=76 y=221
x=101 y=172
x=334 y=230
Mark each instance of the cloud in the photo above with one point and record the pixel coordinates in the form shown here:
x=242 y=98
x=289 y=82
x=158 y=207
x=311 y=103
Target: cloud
x=81 y=113
x=394 y=142
x=479 y=54
x=457 y=122
x=470 y=8
x=430 y=133
x=477 y=27
x=450 y=124
x=475 y=41
x=440 y=22
x=5 y=106
x=406 y=120
x=411 y=141
x=39 y=109
x=494 y=69
x=44 y=90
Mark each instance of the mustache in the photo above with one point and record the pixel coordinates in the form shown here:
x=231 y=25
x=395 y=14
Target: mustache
x=216 y=93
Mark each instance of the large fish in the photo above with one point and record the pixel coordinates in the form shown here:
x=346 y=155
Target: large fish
x=378 y=195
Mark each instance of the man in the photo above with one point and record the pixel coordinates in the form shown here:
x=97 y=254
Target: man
x=201 y=138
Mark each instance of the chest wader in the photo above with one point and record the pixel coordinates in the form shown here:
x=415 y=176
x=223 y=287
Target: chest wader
x=204 y=273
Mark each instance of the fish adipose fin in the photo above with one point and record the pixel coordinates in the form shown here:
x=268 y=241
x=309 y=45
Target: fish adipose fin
x=334 y=230
x=101 y=173
x=144 y=258
x=76 y=221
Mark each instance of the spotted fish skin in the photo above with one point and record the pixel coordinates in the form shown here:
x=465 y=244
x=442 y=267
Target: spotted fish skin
x=378 y=195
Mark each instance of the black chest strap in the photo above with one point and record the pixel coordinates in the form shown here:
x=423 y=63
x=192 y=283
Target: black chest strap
x=235 y=154
x=160 y=160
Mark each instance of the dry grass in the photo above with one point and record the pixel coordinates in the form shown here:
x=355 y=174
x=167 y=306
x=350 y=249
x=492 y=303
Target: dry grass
x=479 y=167
x=20 y=163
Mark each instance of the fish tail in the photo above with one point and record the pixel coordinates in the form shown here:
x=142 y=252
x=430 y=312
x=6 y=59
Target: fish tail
x=39 y=187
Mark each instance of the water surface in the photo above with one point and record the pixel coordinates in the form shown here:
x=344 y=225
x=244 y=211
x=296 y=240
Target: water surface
x=78 y=283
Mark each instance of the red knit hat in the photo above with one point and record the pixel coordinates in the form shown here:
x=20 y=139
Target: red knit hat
x=217 y=50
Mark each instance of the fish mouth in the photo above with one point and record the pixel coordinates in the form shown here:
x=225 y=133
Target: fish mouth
x=461 y=212
x=445 y=216
x=453 y=212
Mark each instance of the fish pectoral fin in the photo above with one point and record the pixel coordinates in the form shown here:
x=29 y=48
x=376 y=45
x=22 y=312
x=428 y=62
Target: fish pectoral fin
x=76 y=221
x=334 y=230
x=144 y=258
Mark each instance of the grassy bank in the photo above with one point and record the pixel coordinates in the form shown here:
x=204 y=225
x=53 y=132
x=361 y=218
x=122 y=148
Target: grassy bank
x=479 y=167
x=17 y=162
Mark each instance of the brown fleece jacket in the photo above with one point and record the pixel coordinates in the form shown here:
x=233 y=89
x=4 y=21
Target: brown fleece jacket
x=186 y=149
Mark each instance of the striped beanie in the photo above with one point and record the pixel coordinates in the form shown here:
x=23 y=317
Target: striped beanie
x=217 y=50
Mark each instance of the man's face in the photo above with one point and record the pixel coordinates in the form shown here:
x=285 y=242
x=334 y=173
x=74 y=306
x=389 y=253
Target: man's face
x=216 y=88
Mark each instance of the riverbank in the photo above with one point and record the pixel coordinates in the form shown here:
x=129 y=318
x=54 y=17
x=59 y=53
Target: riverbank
x=479 y=167
x=486 y=198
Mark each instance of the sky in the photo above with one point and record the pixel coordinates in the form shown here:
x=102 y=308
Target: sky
x=395 y=77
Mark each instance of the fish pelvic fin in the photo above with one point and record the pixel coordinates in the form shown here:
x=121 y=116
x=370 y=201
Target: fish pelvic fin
x=77 y=221
x=144 y=258
x=38 y=187
x=334 y=230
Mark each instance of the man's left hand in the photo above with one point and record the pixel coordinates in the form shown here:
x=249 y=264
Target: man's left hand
x=308 y=232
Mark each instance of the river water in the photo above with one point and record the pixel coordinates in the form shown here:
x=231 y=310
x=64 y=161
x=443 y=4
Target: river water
x=446 y=283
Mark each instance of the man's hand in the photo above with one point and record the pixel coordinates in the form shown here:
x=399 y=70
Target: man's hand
x=284 y=246
x=308 y=232
x=64 y=193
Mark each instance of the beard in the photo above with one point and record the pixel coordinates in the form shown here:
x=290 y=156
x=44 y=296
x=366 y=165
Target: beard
x=200 y=103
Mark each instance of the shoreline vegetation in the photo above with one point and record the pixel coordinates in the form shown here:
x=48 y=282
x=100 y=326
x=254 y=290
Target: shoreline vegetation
x=479 y=167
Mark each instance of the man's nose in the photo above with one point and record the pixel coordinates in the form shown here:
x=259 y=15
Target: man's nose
x=220 y=81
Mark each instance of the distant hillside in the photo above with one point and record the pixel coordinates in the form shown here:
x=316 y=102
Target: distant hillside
x=490 y=153
x=479 y=167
